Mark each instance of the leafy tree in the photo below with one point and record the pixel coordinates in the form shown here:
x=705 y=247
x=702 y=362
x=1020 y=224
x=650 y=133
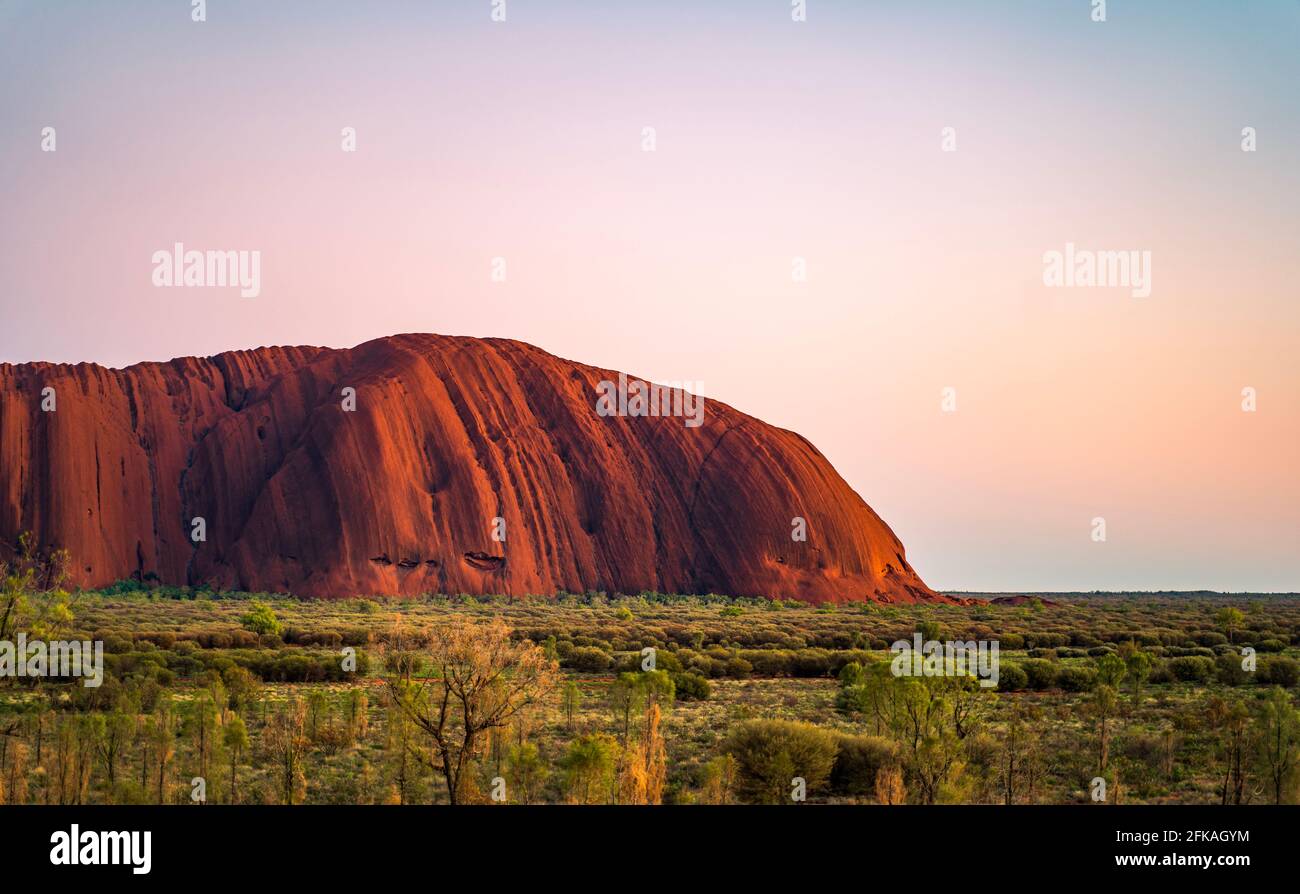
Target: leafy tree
x=1279 y=745
x=401 y=755
x=32 y=597
x=875 y=694
x=658 y=690
x=526 y=771
x=1104 y=703
x=589 y=768
x=200 y=725
x=1229 y=620
x=261 y=620
x=317 y=713
x=1138 y=666
x=356 y=709
x=1111 y=670
x=161 y=735
x=119 y=728
x=572 y=701
x=235 y=737
x=935 y=752
x=1021 y=763
x=967 y=701
x=644 y=764
x=719 y=778
x=929 y=630
x=1231 y=720
x=625 y=699
x=243 y=688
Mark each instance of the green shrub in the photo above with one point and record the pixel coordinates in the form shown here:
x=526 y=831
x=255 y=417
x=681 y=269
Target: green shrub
x=768 y=662
x=1046 y=640
x=1160 y=673
x=857 y=760
x=666 y=661
x=691 y=687
x=1188 y=651
x=243 y=639
x=842 y=657
x=1279 y=672
x=707 y=666
x=588 y=659
x=1041 y=673
x=811 y=663
x=162 y=639
x=850 y=674
x=1192 y=668
x=1076 y=678
x=1012 y=678
x=771 y=753
x=117 y=644
x=1228 y=670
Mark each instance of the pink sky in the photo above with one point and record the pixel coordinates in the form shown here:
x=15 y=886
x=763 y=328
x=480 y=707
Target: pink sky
x=775 y=140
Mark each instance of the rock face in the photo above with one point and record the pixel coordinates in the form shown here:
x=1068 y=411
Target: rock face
x=403 y=494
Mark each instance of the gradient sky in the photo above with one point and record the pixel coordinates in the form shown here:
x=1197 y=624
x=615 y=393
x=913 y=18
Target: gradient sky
x=775 y=140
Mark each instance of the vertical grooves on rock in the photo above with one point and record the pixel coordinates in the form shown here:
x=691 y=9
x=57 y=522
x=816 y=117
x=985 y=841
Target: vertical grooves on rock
x=449 y=432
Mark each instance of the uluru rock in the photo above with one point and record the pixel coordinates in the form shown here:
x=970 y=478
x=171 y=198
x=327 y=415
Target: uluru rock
x=453 y=443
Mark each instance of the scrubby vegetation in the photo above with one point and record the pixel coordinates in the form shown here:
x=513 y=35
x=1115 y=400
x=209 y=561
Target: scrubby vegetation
x=645 y=699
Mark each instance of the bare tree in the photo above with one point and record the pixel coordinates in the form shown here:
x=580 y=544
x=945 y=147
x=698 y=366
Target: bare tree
x=1231 y=719
x=285 y=741
x=485 y=679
